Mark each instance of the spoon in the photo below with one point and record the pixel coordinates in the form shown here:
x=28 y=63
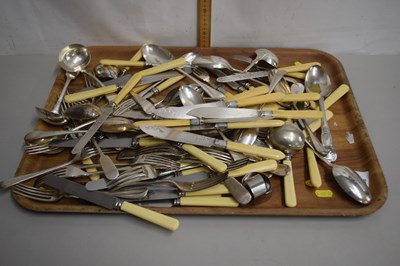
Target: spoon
x=156 y=55
x=82 y=112
x=108 y=72
x=73 y=59
x=289 y=139
x=348 y=179
x=317 y=80
x=265 y=55
x=117 y=125
x=190 y=96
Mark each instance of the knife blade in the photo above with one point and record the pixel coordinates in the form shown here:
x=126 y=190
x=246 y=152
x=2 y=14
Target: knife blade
x=180 y=112
x=243 y=113
x=243 y=76
x=110 y=202
x=200 y=140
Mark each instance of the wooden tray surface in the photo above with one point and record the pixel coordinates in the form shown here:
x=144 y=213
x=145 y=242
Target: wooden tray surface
x=347 y=118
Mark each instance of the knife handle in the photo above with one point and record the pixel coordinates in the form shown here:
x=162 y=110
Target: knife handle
x=299 y=67
x=150 y=142
x=196 y=170
x=288 y=187
x=139 y=88
x=301 y=97
x=255 y=124
x=247 y=94
x=164 y=123
x=154 y=217
x=149 y=71
x=262 y=166
x=116 y=62
x=205 y=158
x=297 y=75
x=218 y=189
x=313 y=170
x=267 y=98
x=171 y=81
x=297 y=114
x=336 y=95
x=208 y=201
x=74 y=97
x=255 y=150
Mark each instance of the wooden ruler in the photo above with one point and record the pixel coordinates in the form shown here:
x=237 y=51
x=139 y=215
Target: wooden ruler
x=204 y=23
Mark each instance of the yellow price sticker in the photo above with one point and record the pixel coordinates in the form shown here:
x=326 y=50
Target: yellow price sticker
x=324 y=193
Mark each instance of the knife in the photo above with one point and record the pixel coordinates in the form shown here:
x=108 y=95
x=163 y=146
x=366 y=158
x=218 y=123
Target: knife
x=243 y=76
x=180 y=112
x=110 y=202
x=235 y=113
x=200 y=140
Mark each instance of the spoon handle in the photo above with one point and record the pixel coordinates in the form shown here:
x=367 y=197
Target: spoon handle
x=56 y=108
x=314 y=173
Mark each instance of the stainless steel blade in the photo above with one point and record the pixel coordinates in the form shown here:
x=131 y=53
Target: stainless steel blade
x=178 y=136
x=181 y=111
x=146 y=105
x=72 y=188
x=103 y=143
x=106 y=111
x=229 y=113
x=243 y=76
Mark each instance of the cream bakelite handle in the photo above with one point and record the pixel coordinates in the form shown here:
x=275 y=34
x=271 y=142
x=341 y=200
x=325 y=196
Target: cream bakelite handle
x=150 y=142
x=301 y=97
x=248 y=94
x=150 y=71
x=78 y=96
x=267 y=98
x=218 y=189
x=164 y=123
x=299 y=67
x=196 y=170
x=255 y=150
x=154 y=217
x=116 y=62
x=255 y=124
x=288 y=187
x=315 y=125
x=313 y=170
x=171 y=81
x=262 y=166
x=297 y=114
x=205 y=158
x=336 y=95
x=209 y=201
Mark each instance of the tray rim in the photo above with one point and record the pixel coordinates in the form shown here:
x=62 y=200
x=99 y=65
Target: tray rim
x=375 y=205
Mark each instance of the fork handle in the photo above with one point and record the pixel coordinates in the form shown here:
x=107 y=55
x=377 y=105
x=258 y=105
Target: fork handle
x=18 y=179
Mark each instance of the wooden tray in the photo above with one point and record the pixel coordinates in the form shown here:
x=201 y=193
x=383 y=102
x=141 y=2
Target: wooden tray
x=347 y=118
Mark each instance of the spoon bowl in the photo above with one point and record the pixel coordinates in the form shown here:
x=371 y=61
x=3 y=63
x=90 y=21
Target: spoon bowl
x=83 y=112
x=190 y=96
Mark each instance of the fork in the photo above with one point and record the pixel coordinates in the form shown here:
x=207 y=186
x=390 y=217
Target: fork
x=86 y=153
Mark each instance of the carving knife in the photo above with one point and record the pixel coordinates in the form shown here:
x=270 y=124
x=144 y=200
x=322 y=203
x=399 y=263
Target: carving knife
x=110 y=202
x=200 y=140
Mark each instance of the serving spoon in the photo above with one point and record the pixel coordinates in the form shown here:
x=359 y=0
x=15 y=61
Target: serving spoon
x=73 y=59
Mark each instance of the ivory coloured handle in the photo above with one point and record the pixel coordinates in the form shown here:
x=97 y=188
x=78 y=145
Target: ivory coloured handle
x=256 y=124
x=301 y=97
x=78 y=96
x=299 y=67
x=116 y=62
x=313 y=170
x=297 y=114
x=209 y=201
x=261 y=166
x=267 y=98
x=288 y=187
x=164 y=123
x=255 y=150
x=217 y=189
x=154 y=217
x=205 y=158
x=249 y=93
